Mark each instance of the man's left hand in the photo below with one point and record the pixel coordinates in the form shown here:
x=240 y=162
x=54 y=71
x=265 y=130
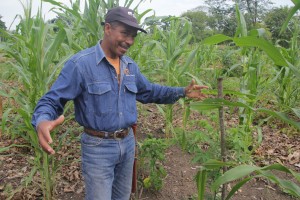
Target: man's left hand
x=194 y=91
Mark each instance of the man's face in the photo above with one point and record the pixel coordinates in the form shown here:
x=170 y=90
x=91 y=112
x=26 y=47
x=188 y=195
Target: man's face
x=120 y=37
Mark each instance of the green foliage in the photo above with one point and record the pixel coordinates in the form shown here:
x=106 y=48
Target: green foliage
x=288 y=77
x=201 y=179
x=243 y=174
x=88 y=23
x=291 y=14
x=250 y=172
x=152 y=154
x=255 y=10
x=242 y=144
x=274 y=20
x=36 y=56
x=2 y=24
x=201 y=143
x=222 y=15
x=209 y=104
x=199 y=20
x=171 y=58
x=170 y=54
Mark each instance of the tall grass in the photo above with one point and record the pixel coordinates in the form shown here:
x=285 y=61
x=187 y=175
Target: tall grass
x=36 y=56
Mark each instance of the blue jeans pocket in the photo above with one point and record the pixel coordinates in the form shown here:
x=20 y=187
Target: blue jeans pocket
x=88 y=140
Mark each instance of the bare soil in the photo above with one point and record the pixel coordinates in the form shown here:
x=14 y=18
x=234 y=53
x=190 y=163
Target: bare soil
x=179 y=184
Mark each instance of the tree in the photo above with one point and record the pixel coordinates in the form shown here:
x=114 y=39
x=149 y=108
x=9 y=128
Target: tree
x=274 y=20
x=221 y=12
x=2 y=24
x=200 y=25
x=255 y=9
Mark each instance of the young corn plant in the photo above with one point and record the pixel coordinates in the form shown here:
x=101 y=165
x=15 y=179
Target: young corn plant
x=287 y=77
x=171 y=58
x=250 y=81
x=36 y=56
x=87 y=23
x=243 y=174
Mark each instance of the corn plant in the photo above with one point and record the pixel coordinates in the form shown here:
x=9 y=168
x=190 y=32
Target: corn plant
x=36 y=57
x=87 y=23
x=171 y=58
x=287 y=77
x=243 y=174
x=249 y=172
x=251 y=62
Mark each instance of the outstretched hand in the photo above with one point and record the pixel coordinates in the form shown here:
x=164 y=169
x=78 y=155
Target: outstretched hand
x=44 y=128
x=194 y=91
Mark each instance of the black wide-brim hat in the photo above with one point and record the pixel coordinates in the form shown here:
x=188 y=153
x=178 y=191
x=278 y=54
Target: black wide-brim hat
x=124 y=15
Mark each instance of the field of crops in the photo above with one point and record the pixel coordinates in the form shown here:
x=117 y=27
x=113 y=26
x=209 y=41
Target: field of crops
x=242 y=142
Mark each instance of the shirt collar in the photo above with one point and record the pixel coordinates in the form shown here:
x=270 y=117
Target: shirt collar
x=100 y=55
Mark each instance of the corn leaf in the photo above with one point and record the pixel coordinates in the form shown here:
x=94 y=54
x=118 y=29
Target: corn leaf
x=216 y=164
x=216 y=39
x=242 y=26
x=5 y=119
x=201 y=178
x=290 y=15
x=296 y=111
x=267 y=47
x=52 y=49
x=282 y=168
x=237 y=186
x=234 y=174
x=286 y=185
x=281 y=116
x=3 y=149
x=209 y=104
x=61 y=5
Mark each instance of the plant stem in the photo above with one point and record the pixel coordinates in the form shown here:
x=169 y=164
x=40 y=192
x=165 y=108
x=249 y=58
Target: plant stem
x=222 y=130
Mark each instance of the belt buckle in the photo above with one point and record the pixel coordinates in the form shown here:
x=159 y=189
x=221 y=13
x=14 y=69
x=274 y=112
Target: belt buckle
x=106 y=135
x=116 y=132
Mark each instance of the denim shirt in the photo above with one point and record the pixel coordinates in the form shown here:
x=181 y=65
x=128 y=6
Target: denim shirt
x=101 y=103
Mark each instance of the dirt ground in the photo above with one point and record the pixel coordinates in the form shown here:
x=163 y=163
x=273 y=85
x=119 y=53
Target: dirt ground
x=179 y=184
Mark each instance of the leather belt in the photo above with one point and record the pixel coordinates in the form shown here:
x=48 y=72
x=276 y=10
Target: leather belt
x=118 y=134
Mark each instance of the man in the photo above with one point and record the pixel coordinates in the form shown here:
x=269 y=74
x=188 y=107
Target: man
x=104 y=85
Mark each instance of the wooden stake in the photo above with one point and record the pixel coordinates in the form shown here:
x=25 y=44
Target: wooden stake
x=222 y=131
x=1 y=113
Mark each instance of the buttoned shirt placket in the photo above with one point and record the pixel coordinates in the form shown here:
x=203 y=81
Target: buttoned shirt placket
x=120 y=106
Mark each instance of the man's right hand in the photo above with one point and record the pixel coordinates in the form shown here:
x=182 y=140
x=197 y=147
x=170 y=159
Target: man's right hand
x=43 y=129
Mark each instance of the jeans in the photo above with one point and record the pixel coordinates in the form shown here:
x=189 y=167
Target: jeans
x=107 y=167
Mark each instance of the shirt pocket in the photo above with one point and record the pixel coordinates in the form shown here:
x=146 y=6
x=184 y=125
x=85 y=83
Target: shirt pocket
x=100 y=97
x=130 y=96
